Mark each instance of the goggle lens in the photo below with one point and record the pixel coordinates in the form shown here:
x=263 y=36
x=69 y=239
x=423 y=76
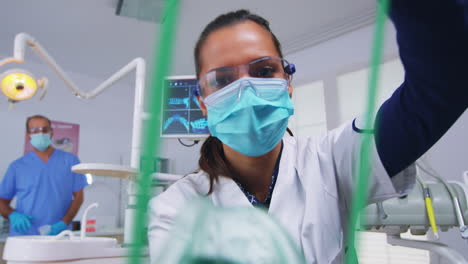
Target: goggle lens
x=36 y=130
x=267 y=67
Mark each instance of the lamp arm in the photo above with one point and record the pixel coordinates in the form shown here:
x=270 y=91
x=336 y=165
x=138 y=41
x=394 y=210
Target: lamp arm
x=23 y=39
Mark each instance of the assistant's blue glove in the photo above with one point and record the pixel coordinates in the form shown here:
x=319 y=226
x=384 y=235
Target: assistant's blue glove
x=56 y=228
x=20 y=222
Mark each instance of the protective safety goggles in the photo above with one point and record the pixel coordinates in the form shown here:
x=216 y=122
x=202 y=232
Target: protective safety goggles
x=266 y=67
x=36 y=130
x=269 y=89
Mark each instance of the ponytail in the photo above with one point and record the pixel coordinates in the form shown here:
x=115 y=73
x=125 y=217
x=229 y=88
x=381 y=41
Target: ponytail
x=212 y=160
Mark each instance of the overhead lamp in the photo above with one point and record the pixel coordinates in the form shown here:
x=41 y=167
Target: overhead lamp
x=19 y=85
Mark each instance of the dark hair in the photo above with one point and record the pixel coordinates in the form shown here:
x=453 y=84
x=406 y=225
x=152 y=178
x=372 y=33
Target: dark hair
x=230 y=19
x=34 y=117
x=212 y=159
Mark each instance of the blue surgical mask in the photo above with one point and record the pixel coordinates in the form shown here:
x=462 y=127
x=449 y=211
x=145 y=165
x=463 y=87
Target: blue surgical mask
x=251 y=114
x=41 y=141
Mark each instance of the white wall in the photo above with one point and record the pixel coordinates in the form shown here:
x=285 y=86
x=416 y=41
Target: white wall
x=351 y=52
x=182 y=160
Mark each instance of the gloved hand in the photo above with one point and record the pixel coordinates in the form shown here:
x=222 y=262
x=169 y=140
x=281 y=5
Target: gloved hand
x=20 y=222
x=56 y=228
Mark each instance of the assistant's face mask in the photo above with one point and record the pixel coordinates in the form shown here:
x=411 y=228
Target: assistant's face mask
x=41 y=141
x=250 y=115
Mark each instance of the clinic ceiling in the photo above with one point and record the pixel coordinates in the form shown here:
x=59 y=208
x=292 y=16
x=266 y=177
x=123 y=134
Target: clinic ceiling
x=86 y=36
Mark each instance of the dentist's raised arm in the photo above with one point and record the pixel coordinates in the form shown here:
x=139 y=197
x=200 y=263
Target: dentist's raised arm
x=433 y=43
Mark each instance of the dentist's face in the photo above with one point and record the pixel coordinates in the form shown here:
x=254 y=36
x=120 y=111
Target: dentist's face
x=39 y=124
x=234 y=45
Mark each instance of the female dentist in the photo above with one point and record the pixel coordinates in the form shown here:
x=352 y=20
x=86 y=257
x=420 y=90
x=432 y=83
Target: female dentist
x=250 y=160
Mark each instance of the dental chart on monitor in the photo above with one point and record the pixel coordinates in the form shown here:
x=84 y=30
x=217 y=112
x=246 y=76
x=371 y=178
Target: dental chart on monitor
x=181 y=115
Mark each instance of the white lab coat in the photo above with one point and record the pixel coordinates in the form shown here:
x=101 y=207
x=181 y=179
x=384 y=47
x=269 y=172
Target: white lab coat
x=311 y=198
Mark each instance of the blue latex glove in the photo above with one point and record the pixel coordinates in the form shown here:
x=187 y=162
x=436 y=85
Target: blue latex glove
x=56 y=228
x=20 y=222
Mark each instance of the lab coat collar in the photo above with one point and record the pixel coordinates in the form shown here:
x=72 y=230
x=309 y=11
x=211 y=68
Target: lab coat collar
x=227 y=193
x=286 y=174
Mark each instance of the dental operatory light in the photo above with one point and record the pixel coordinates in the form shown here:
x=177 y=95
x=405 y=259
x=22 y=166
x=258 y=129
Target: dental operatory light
x=18 y=85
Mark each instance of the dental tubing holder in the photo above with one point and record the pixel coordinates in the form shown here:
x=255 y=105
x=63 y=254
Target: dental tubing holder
x=84 y=218
x=398 y=215
x=139 y=115
x=69 y=233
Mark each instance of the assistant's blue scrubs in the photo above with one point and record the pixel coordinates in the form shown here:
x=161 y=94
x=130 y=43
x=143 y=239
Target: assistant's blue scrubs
x=43 y=190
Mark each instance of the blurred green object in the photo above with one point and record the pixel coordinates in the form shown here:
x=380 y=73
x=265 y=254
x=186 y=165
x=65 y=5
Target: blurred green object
x=204 y=233
x=360 y=190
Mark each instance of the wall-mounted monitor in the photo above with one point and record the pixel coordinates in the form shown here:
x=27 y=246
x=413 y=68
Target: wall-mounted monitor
x=181 y=113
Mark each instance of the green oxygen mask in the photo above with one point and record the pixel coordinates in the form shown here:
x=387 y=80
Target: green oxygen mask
x=204 y=233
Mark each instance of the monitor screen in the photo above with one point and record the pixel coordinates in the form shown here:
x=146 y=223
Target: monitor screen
x=181 y=115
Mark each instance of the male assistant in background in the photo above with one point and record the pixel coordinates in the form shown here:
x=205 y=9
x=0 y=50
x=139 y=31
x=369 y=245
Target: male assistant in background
x=47 y=191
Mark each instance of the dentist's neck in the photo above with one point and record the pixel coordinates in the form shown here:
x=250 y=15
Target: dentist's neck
x=253 y=173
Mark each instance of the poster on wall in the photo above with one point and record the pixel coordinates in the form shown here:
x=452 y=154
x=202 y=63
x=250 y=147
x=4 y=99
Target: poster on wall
x=65 y=137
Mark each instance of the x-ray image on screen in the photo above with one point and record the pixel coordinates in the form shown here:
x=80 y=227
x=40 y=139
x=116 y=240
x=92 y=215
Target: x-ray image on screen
x=182 y=116
x=198 y=123
x=176 y=122
x=179 y=98
x=194 y=104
